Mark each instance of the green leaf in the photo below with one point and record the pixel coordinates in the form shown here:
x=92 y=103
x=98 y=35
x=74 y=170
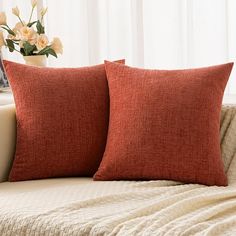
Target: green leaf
x=22 y=51
x=52 y=52
x=10 y=45
x=43 y=51
x=47 y=51
x=28 y=48
x=31 y=23
x=9 y=30
x=40 y=28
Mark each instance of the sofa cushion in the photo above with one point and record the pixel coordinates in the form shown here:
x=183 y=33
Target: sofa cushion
x=62 y=120
x=165 y=124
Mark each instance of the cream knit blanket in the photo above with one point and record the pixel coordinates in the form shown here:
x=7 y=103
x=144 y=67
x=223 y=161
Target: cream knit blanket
x=79 y=206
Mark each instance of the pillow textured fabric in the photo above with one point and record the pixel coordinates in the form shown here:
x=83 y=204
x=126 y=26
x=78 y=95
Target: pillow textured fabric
x=62 y=120
x=165 y=124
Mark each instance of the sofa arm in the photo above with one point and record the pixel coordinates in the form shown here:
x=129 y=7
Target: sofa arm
x=7 y=139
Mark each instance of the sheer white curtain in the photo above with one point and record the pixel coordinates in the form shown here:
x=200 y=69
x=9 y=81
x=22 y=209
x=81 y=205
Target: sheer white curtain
x=96 y=30
x=164 y=34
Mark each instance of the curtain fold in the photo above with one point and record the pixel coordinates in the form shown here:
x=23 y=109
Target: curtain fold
x=162 y=34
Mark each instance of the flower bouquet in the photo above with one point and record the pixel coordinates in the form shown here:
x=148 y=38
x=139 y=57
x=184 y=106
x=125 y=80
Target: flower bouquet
x=28 y=37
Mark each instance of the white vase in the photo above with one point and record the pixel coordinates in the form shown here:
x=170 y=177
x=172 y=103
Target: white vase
x=38 y=60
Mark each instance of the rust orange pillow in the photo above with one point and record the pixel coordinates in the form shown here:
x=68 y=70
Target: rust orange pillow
x=62 y=120
x=164 y=125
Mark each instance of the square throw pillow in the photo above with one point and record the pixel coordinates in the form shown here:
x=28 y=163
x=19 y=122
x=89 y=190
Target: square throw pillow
x=164 y=124
x=62 y=120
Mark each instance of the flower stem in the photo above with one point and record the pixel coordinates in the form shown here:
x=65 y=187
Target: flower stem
x=6 y=26
x=9 y=29
x=31 y=14
x=21 y=21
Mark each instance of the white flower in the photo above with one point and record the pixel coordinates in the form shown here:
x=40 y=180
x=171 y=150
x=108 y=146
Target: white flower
x=33 y=39
x=43 y=11
x=18 y=26
x=2 y=41
x=3 y=18
x=16 y=11
x=56 y=45
x=42 y=42
x=27 y=33
x=33 y=3
x=16 y=30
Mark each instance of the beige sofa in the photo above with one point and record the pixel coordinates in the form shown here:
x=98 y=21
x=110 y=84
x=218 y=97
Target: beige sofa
x=81 y=206
x=7 y=139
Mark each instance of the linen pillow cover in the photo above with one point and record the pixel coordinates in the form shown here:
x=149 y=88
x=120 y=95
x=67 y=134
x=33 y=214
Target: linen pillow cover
x=164 y=124
x=62 y=120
